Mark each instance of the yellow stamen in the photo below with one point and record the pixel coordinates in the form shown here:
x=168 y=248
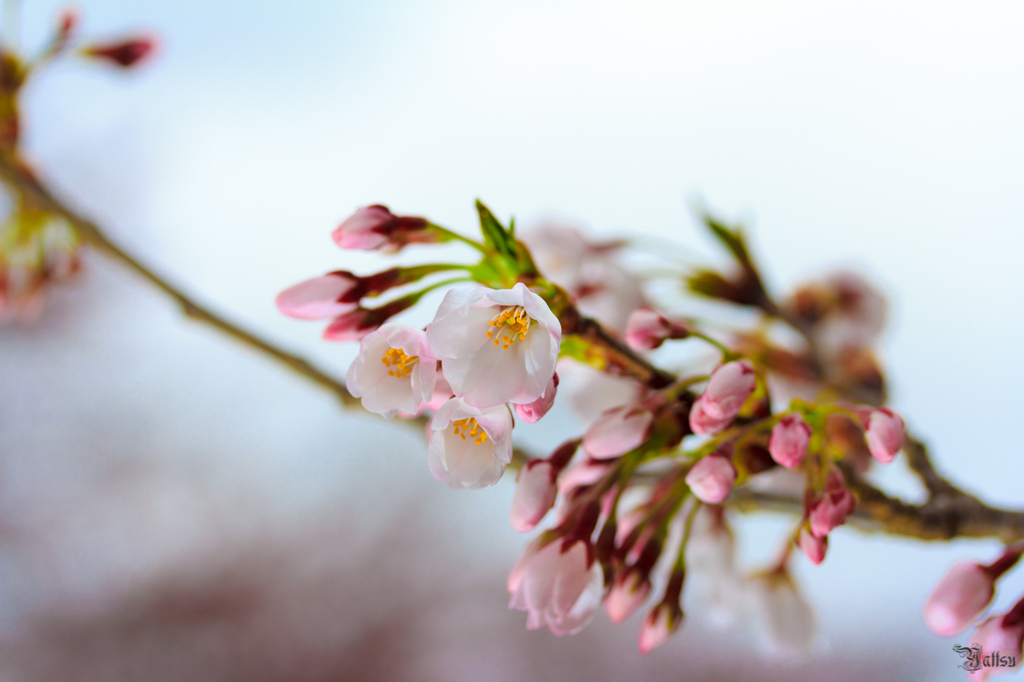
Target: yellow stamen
x=402 y=363
x=512 y=322
x=469 y=427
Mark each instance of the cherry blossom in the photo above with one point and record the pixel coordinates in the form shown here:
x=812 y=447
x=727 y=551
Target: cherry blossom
x=558 y=583
x=469 y=447
x=884 y=434
x=396 y=370
x=496 y=346
x=711 y=478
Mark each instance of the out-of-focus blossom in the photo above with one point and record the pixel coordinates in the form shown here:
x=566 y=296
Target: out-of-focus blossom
x=589 y=271
x=124 y=53
x=648 y=329
x=1000 y=638
x=37 y=251
x=959 y=598
x=618 y=431
x=533 y=412
x=843 y=311
x=375 y=228
x=628 y=592
x=559 y=584
x=884 y=434
x=704 y=424
x=660 y=623
x=395 y=371
x=814 y=548
x=789 y=440
x=496 y=346
x=781 y=616
x=469 y=447
x=729 y=387
x=534 y=496
x=834 y=505
x=590 y=392
x=714 y=580
x=711 y=478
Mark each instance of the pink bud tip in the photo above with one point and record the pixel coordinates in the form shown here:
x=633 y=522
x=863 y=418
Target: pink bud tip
x=617 y=431
x=958 y=599
x=703 y=424
x=318 y=298
x=660 y=623
x=813 y=548
x=627 y=594
x=711 y=478
x=835 y=504
x=126 y=53
x=533 y=412
x=647 y=329
x=375 y=227
x=730 y=386
x=788 y=442
x=534 y=495
x=884 y=434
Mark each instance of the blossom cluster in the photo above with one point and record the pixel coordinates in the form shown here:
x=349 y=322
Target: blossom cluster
x=637 y=501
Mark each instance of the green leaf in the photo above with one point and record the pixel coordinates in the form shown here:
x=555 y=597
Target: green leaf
x=495 y=235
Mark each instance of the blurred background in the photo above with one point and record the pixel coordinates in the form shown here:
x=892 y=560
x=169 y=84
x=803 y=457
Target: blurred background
x=174 y=507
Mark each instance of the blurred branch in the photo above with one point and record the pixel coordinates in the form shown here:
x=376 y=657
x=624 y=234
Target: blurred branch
x=940 y=518
x=22 y=180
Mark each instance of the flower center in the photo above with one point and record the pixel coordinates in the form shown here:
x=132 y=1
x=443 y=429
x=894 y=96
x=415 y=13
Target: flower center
x=510 y=322
x=469 y=427
x=400 y=363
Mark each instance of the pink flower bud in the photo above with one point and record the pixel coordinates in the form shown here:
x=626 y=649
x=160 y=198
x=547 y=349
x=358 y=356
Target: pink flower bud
x=813 y=548
x=534 y=495
x=617 y=431
x=711 y=478
x=628 y=592
x=320 y=297
x=835 y=504
x=126 y=53
x=884 y=434
x=1001 y=639
x=662 y=621
x=703 y=424
x=730 y=386
x=532 y=412
x=788 y=442
x=354 y=325
x=958 y=599
x=375 y=228
x=647 y=329
x=67 y=22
